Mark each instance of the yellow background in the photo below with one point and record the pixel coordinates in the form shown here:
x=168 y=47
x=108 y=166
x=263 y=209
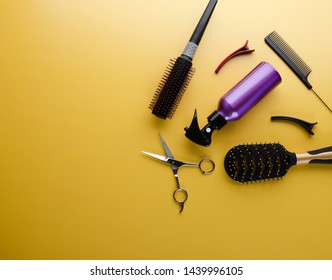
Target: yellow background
x=76 y=78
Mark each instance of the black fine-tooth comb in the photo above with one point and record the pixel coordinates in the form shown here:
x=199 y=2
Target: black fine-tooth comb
x=292 y=59
x=261 y=162
x=179 y=72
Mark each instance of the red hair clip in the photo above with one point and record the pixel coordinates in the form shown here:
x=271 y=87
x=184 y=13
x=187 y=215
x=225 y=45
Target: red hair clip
x=243 y=50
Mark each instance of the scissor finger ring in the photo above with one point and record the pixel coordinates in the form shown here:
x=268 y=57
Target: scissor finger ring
x=206 y=166
x=180 y=196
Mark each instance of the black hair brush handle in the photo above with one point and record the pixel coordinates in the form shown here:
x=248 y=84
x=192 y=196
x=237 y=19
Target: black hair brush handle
x=320 y=156
x=203 y=22
x=260 y=162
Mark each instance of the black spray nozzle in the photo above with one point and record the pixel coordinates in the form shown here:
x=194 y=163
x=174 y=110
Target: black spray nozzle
x=203 y=136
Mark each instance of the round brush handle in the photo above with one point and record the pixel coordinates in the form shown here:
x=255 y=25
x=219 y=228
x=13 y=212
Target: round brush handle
x=191 y=47
x=203 y=22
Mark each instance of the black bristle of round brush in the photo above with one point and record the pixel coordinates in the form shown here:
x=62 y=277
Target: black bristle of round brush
x=175 y=82
x=258 y=162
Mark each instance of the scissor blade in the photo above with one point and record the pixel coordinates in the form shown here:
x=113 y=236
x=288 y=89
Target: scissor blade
x=167 y=150
x=162 y=158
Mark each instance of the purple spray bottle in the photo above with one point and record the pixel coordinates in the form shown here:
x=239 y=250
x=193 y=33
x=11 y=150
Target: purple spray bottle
x=236 y=102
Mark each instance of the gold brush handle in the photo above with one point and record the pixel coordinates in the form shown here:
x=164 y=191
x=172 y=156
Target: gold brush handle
x=320 y=156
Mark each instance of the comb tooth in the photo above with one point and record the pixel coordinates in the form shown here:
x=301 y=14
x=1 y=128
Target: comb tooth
x=288 y=50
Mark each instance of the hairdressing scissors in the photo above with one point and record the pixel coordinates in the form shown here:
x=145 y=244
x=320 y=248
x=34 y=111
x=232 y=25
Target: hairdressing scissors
x=180 y=195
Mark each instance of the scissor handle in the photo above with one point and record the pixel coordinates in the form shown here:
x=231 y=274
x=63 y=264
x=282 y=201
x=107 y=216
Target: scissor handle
x=180 y=196
x=206 y=166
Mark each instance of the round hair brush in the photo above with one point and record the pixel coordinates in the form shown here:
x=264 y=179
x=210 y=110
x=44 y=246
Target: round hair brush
x=260 y=162
x=179 y=72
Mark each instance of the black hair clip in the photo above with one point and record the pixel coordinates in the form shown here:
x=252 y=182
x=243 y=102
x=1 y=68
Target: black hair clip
x=306 y=125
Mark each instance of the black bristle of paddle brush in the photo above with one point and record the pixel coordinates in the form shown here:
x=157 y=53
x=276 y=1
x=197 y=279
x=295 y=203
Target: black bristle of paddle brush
x=258 y=162
x=172 y=87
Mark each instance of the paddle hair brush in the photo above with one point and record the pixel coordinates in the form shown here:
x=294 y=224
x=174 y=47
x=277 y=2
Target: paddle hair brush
x=179 y=72
x=260 y=162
